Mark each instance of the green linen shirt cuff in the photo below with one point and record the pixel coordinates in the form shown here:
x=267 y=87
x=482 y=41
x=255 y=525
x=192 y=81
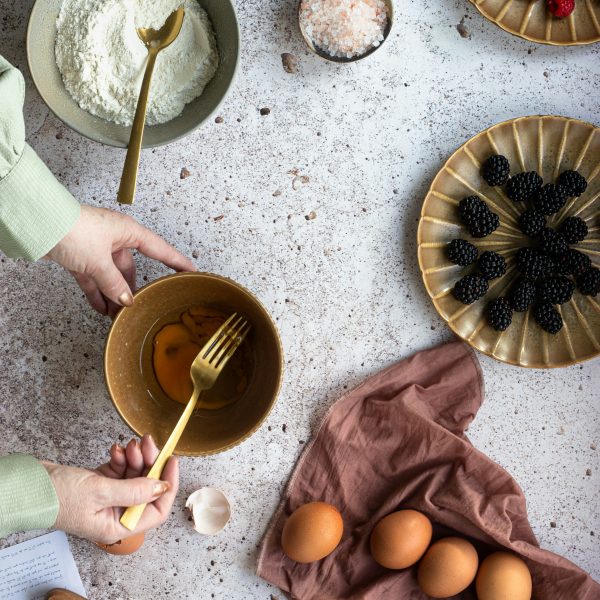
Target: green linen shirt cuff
x=36 y=211
x=27 y=497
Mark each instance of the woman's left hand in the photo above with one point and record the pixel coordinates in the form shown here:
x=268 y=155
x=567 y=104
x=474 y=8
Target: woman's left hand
x=91 y=502
x=97 y=252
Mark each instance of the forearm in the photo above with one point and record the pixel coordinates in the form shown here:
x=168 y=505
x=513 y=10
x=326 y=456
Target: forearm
x=36 y=211
x=27 y=497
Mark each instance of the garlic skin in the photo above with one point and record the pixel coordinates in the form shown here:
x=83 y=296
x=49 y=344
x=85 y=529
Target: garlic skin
x=210 y=510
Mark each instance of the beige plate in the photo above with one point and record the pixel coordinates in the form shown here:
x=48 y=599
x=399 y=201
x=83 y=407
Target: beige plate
x=531 y=20
x=41 y=33
x=548 y=145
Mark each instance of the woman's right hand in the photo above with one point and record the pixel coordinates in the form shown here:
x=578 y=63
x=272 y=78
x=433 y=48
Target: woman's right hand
x=92 y=502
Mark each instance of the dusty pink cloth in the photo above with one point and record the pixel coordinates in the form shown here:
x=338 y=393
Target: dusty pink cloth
x=397 y=441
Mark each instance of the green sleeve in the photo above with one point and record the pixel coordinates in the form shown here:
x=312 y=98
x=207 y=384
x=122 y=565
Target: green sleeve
x=36 y=211
x=27 y=497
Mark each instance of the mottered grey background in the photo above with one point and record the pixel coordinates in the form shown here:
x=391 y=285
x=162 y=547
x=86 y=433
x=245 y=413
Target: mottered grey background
x=314 y=207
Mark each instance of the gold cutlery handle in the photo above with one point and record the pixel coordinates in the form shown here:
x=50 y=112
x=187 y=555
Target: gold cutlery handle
x=127 y=186
x=132 y=515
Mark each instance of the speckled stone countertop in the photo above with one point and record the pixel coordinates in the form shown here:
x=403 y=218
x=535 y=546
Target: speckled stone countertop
x=334 y=261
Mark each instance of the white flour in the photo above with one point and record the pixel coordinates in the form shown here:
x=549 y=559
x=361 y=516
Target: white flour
x=102 y=60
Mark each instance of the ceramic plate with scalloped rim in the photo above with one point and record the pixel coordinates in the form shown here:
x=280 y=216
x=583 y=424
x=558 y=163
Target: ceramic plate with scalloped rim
x=548 y=145
x=531 y=20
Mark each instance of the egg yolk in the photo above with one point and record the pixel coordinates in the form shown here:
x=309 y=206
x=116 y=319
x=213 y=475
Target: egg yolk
x=176 y=346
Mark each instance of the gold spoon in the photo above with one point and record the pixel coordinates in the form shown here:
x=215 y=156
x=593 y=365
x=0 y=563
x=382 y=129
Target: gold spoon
x=155 y=41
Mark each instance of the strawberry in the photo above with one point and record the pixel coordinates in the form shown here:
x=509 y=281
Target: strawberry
x=561 y=8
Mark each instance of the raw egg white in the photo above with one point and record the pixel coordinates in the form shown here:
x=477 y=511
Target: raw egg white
x=400 y=539
x=312 y=532
x=448 y=567
x=503 y=576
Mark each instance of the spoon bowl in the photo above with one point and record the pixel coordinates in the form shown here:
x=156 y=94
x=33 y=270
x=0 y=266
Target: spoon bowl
x=159 y=39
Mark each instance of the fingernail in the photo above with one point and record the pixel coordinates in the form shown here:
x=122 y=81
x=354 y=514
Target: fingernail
x=160 y=488
x=125 y=299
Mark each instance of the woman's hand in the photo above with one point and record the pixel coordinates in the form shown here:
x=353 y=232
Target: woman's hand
x=97 y=252
x=91 y=502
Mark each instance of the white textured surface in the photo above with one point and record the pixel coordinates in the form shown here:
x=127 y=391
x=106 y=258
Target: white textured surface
x=344 y=286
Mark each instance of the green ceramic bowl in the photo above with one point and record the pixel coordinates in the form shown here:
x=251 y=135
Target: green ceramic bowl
x=41 y=33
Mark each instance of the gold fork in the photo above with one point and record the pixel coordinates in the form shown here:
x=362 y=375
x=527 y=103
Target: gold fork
x=207 y=366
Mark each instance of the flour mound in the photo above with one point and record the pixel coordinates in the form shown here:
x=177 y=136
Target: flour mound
x=102 y=60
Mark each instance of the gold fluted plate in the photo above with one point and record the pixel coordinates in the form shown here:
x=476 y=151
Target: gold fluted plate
x=531 y=20
x=548 y=145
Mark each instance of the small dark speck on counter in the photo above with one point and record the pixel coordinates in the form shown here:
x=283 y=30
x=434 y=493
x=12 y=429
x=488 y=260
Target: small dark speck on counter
x=289 y=62
x=593 y=446
x=265 y=111
x=462 y=30
x=553 y=524
x=284 y=428
x=59 y=135
x=588 y=472
x=218 y=119
x=184 y=173
x=195 y=254
x=44 y=358
x=546 y=74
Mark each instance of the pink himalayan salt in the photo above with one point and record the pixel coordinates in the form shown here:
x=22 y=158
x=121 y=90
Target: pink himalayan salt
x=344 y=28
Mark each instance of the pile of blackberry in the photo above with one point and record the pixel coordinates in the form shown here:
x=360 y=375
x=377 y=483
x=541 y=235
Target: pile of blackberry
x=550 y=269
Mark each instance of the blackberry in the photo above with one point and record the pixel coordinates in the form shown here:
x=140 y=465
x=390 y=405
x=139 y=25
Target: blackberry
x=573 y=262
x=548 y=318
x=499 y=314
x=572 y=182
x=553 y=242
x=484 y=225
x=556 y=290
x=491 y=265
x=471 y=206
x=589 y=282
x=495 y=170
x=574 y=230
x=461 y=252
x=532 y=222
x=522 y=186
x=534 y=263
x=550 y=199
x=522 y=295
x=470 y=288
x=478 y=218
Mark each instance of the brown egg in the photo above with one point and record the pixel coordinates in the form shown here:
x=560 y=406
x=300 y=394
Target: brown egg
x=400 y=539
x=312 y=532
x=127 y=546
x=448 y=567
x=503 y=576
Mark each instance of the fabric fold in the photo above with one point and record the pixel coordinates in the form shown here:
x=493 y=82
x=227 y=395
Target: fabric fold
x=398 y=441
